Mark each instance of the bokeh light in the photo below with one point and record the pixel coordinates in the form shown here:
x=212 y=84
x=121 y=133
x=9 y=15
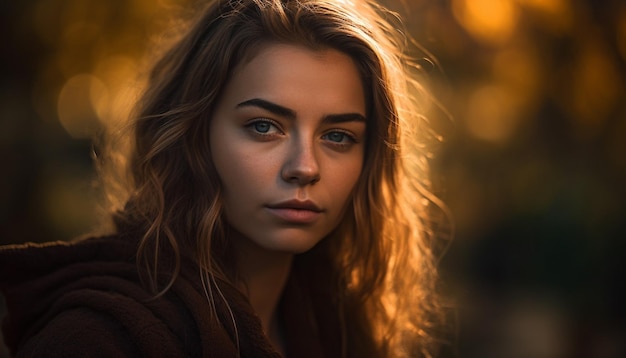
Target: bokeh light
x=79 y=101
x=492 y=113
x=491 y=21
x=595 y=88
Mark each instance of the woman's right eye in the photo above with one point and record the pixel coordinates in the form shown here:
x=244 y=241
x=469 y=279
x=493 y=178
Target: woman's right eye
x=263 y=127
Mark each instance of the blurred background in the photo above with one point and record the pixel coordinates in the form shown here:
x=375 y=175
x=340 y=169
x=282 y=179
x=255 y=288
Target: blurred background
x=532 y=166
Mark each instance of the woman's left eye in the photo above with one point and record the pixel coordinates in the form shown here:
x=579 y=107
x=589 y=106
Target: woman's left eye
x=338 y=137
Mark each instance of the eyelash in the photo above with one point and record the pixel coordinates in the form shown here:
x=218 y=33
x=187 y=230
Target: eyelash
x=347 y=135
x=251 y=127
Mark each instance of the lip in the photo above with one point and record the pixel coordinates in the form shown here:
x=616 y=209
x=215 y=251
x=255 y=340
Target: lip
x=295 y=211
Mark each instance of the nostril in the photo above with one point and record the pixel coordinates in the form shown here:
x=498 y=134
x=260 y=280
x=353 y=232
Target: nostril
x=302 y=177
x=301 y=166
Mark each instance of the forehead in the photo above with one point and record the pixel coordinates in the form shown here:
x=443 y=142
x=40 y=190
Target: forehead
x=298 y=76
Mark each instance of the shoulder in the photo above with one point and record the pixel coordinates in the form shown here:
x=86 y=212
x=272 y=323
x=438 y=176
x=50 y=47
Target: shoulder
x=85 y=332
x=79 y=332
x=33 y=271
x=19 y=262
x=86 y=299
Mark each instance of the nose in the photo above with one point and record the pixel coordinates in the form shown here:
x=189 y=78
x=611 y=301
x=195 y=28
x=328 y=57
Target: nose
x=301 y=165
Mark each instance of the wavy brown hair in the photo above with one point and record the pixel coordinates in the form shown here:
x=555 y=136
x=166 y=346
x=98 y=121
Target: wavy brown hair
x=380 y=279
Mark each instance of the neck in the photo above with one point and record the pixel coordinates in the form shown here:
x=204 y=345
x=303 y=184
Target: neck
x=263 y=274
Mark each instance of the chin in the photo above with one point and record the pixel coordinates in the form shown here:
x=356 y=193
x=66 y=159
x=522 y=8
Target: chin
x=293 y=243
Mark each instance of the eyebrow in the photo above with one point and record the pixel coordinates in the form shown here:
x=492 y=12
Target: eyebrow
x=291 y=114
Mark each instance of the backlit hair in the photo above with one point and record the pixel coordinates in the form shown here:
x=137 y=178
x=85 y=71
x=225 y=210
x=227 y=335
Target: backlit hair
x=381 y=267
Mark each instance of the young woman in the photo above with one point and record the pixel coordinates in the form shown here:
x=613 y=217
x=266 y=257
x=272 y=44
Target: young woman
x=275 y=205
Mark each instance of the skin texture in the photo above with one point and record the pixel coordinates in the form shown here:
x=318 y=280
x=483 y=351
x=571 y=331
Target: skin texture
x=265 y=157
x=290 y=127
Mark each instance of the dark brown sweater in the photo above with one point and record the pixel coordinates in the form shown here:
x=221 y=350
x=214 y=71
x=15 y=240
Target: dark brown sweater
x=85 y=299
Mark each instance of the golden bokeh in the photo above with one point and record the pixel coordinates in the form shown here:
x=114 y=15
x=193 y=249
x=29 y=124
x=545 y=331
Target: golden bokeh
x=595 y=87
x=78 y=104
x=554 y=15
x=492 y=113
x=121 y=77
x=490 y=21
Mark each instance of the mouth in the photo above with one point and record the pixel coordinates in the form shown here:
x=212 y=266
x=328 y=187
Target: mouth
x=295 y=211
x=296 y=205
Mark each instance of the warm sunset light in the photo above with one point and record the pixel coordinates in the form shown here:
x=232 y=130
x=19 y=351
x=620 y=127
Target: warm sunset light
x=78 y=105
x=595 y=88
x=492 y=114
x=122 y=76
x=491 y=21
x=527 y=103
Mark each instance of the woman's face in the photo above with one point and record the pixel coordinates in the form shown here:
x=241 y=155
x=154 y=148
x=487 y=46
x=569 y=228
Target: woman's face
x=287 y=139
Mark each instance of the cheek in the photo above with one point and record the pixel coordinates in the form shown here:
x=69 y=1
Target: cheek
x=237 y=172
x=225 y=154
x=244 y=174
x=237 y=184
x=343 y=179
